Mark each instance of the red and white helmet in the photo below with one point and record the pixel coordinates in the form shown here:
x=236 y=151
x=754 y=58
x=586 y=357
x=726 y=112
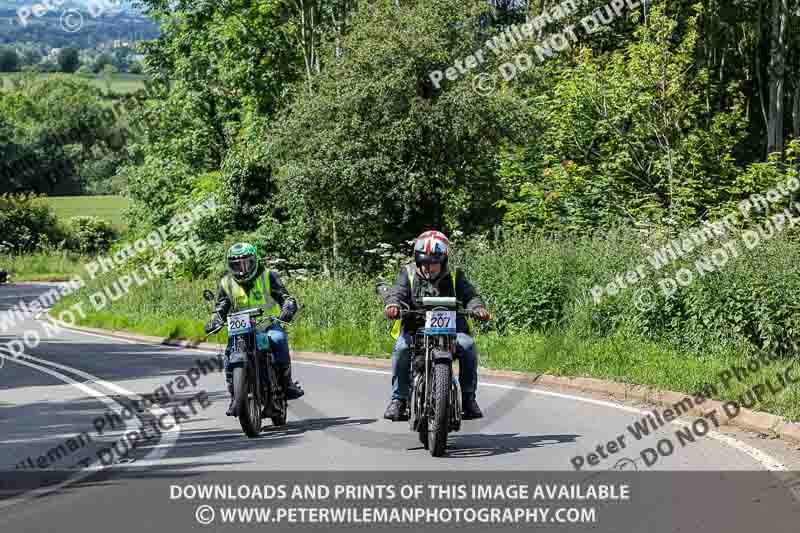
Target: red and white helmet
x=432 y=247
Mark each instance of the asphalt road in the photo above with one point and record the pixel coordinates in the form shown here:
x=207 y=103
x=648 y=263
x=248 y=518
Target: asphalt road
x=71 y=383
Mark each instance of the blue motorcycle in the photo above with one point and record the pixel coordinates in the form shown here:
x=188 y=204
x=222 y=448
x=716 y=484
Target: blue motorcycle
x=257 y=391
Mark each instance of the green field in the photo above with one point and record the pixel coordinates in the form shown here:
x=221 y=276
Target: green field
x=121 y=82
x=106 y=207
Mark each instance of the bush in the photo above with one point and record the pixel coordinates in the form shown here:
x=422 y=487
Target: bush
x=27 y=221
x=90 y=235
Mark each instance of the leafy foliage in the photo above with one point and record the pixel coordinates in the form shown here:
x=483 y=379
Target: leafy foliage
x=53 y=134
x=69 y=60
x=27 y=222
x=90 y=235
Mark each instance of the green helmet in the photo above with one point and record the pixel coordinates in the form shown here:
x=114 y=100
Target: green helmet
x=243 y=261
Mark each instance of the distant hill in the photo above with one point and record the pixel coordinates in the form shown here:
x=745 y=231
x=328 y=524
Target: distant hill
x=73 y=23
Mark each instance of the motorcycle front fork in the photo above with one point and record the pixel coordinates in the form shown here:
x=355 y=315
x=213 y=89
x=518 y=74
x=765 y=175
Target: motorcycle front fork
x=455 y=399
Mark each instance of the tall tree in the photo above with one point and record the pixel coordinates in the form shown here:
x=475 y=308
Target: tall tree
x=9 y=60
x=68 y=60
x=777 y=75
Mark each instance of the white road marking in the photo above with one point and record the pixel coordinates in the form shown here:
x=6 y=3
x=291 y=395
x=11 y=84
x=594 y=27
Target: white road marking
x=82 y=474
x=170 y=435
x=764 y=459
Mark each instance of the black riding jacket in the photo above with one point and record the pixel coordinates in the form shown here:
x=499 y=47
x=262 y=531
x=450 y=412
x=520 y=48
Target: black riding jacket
x=402 y=295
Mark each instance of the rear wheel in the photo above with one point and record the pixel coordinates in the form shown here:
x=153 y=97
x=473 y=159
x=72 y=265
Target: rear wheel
x=440 y=398
x=246 y=401
x=280 y=418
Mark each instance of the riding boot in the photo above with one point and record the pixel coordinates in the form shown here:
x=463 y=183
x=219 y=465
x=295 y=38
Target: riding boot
x=471 y=411
x=292 y=388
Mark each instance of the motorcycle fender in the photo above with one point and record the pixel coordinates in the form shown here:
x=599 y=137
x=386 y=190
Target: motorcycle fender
x=237 y=359
x=442 y=355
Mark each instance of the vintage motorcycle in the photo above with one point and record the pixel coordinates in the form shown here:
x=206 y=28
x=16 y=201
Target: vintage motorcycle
x=435 y=403
x=256 y=389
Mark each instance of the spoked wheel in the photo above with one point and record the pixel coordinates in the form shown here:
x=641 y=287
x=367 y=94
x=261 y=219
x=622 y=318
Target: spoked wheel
x=440 y=421
x=246 y=401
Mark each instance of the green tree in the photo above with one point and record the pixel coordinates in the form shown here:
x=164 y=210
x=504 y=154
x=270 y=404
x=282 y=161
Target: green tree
x=101 y=61
x=9 y=60
x=54 y=127
x=625 y=136
x=68 y=60
x=225 y=70
x=375 y=152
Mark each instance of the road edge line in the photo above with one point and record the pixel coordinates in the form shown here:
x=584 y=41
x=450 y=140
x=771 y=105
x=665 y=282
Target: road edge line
x=765 y=423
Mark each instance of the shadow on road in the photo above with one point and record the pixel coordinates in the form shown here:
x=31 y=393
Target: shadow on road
x=202 y=443
x=298 y=427
x=488 y=445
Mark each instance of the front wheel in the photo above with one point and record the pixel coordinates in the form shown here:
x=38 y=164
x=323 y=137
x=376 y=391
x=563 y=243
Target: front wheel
x=246 y=401
x=439 y=424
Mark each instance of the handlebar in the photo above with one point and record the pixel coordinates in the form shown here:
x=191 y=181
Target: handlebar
x=270 y=318
x=421 y=312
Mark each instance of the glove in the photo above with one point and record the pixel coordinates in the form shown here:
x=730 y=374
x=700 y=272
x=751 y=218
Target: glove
x=483 y=314
x=391 y=312
x=286 y=316
x=216 y=322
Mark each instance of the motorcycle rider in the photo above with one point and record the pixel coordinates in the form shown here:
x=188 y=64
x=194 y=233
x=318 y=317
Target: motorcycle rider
x=249 y=284
x=430 y=276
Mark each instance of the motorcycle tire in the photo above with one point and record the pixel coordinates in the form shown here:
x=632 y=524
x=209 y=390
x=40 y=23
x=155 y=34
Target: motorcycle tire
x=439 y=424
x=246 y=401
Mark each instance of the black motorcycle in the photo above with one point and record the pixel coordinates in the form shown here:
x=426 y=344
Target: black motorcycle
x=435 y=406
x=256 y=388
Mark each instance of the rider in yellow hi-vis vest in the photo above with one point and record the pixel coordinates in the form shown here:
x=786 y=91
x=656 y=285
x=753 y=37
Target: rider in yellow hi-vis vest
x=246 y=285
x=429 y=276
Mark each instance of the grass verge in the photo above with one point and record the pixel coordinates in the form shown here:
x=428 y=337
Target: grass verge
x=345 y=317
x=59 y=266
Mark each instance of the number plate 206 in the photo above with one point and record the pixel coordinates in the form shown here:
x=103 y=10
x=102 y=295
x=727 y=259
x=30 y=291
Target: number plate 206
x=240 y=324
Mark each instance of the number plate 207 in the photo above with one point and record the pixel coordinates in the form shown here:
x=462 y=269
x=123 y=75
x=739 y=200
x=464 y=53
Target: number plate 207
x=440 y=322
x=240 y=324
